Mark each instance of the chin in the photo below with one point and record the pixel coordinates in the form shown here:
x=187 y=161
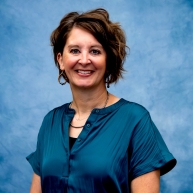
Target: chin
x=82 y=85
x=87 y=84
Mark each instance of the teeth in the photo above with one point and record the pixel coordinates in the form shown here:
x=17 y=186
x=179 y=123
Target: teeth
x=84 y=72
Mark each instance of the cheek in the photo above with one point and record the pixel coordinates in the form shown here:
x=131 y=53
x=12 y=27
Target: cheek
x=103 y=64
x=69 y=62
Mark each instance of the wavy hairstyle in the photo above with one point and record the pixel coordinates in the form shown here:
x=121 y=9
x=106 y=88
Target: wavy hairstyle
x=108 y=34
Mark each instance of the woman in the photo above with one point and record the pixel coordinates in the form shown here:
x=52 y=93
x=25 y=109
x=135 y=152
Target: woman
x=98 y=142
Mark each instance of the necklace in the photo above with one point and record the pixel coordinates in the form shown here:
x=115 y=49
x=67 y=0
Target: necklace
x=77 y=127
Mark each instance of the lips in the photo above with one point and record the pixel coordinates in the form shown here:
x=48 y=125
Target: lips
x=84 y=71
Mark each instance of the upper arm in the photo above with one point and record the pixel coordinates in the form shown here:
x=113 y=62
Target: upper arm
x=147 y=183
x=147 y=150
x=36 y=184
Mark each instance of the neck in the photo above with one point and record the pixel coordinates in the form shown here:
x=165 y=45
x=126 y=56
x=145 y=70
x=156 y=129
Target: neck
x=84 y=101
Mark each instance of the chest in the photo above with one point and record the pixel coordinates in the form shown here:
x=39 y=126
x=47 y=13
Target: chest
x=100 y=150
x=99 y=157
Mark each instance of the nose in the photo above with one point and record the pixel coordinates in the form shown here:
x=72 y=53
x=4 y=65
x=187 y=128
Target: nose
x=84 y=58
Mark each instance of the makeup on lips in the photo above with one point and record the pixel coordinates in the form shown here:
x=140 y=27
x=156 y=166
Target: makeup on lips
x=84 y=73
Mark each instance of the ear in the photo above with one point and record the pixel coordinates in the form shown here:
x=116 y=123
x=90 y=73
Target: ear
x=60 y=61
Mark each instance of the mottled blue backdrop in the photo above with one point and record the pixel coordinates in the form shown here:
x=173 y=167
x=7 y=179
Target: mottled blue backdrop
x=159 y=76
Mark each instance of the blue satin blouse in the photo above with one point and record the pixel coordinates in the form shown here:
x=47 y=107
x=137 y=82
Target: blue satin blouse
x=117 y=144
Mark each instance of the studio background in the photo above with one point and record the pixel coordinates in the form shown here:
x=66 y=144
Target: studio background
x=159 y=77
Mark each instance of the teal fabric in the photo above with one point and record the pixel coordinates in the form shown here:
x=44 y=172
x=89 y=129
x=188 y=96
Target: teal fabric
x=116 y=145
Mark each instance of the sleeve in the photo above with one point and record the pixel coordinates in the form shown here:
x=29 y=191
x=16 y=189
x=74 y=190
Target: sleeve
x=35 y=158
x=147 y=150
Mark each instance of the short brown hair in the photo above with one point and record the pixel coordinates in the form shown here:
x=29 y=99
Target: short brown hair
x=108 y=34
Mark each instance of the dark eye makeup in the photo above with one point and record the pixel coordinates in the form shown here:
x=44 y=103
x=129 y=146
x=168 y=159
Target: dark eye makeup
x=74 y=51
x=95 y=51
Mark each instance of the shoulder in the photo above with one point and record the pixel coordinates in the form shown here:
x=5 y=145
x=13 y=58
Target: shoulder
x=56 y=112
x=53 y=117
x=134 y=109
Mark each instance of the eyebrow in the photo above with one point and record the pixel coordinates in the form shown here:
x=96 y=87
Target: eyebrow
x=96 y=45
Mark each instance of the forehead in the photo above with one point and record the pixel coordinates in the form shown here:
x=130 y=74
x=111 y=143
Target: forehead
x=81 y=35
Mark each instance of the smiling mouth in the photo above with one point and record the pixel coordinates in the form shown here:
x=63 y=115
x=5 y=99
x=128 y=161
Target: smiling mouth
x=84 y=71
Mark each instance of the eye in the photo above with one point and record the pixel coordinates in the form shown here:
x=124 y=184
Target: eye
x=74 y=51
x=95 y=52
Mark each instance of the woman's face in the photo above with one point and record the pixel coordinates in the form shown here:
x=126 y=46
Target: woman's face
x=83 y=59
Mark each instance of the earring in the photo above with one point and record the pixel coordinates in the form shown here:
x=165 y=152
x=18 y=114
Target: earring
x=62 y=74
x=107 y=81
